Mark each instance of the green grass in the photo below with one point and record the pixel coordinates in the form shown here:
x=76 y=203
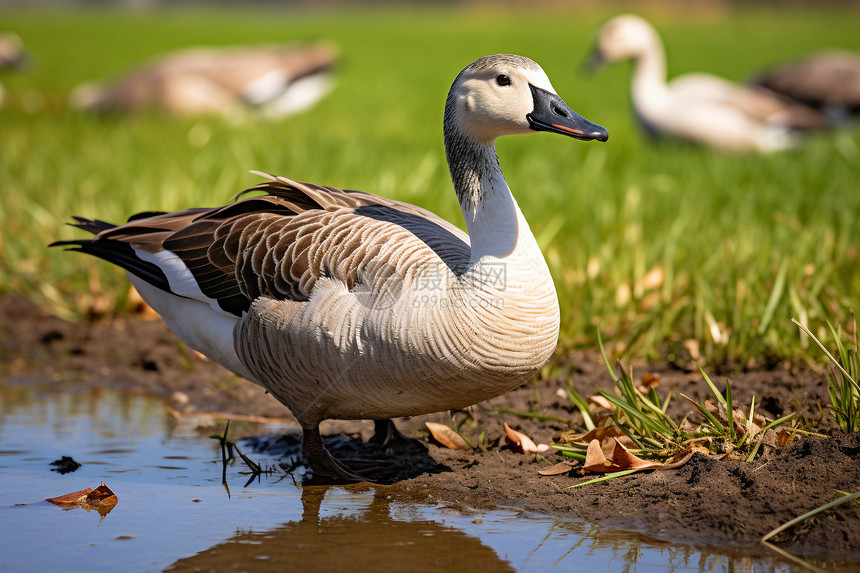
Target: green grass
x=842 y=384
x=744 y=242
x=640 y=415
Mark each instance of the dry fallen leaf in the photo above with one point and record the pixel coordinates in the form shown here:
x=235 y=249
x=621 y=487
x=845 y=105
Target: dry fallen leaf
x=649 y=381
x=523 y=443
x=620 y=459
x=446 y=436
x=102 y=499
x=604 y=434
x=557 y=469
x=73 y=498
x=101 y=495
x=769 y=438
x=602 y=402
x=677 y=460
x=783 y=437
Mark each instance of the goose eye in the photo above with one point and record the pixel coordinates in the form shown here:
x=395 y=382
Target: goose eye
x=503 y=80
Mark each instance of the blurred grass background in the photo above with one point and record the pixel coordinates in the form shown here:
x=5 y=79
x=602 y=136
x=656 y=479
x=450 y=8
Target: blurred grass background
x=659 y=245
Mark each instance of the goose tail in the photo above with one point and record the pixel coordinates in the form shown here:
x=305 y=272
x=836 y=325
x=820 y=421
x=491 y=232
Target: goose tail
x=119 y=253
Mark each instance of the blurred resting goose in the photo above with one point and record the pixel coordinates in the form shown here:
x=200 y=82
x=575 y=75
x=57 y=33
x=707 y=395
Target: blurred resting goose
x=698 y=107
x=278 y=80
x=348 y=305
x=12 y=55
x=828 y=80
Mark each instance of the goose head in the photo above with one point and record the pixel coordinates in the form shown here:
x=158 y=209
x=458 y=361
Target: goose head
x=624 y=37
x=12 y=52
x=507 y=94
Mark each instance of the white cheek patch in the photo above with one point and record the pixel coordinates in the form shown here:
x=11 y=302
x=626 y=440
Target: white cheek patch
x=180 y=279
x=539 y=79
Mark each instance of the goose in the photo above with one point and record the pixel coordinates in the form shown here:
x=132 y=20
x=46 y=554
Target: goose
x=828 y=80
x=348 y=305
x=12 y=55
x=698 y=107
x=278 y=80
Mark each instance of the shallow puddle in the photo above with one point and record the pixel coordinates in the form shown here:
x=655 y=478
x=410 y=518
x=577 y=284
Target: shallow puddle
x=174 y=512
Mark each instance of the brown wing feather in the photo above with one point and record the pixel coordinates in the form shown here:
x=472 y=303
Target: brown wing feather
x=280 y=243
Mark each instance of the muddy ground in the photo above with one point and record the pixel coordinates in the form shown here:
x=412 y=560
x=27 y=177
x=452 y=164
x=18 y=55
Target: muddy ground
x=709 y=502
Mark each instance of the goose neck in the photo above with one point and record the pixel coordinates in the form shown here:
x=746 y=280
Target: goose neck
x=495 y=223
x=649 y=73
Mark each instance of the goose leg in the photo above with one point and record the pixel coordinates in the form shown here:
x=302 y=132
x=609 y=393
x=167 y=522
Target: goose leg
x=387 y=436
x=321 y=461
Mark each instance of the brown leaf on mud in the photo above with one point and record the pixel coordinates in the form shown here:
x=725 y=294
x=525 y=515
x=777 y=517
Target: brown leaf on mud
x=677 y=460
x=102 y=499
x=522 y=443
x=769 y=438
x=595 y=457
x=602 y=402
x=648 y=381
x=558 y=469
x=597 y=460
x=446 y=436
x=712 y=407
x=604 y=434
x=783 y=437
x=700 y=448
x=739 y=419
x=699 y=445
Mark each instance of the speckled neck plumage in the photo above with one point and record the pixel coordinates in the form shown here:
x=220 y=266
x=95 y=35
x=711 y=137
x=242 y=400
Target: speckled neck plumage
x=468 y=161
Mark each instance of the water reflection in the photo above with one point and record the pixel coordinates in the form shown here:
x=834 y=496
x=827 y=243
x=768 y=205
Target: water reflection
x=174 y=512
x=370 y=540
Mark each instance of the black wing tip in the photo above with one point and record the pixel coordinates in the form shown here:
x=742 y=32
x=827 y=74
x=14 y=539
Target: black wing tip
x=94 y=226
x=75 y=245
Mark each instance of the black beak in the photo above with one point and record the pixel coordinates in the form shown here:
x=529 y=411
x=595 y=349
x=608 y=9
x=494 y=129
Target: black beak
x=552 y=114
x=594 y=62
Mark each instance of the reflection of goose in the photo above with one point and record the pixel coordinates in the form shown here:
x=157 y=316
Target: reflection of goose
x=349 y=305
x=368 y=539
x=828 y=80
x=276 y=79
x=698 y=107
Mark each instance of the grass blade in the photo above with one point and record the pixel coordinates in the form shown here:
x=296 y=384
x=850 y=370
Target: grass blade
x=605 y=359
x=708 y=416
x=603 y=478
x=535 y=415
x=631 y=412
x=773 y=301
x=808 y=514
x=829 y=356
x=569 y=452
x=794 y=559
x=730 y=413
x=717 y=393
x=581 y=405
